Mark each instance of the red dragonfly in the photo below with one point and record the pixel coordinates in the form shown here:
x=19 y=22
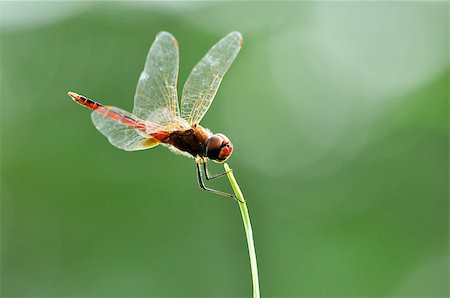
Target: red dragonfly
x=157 y=117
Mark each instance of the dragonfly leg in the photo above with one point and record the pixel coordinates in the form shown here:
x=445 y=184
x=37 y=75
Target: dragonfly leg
x=201 y=183
x=211 y=177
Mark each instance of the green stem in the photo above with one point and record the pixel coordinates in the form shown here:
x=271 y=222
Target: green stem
x=248 y=230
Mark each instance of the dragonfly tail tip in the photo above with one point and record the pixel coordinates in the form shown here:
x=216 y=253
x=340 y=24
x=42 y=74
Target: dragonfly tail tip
x=73 y=95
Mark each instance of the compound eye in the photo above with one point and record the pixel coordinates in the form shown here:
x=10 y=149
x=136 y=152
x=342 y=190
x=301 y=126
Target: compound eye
x=214 y=144
x=225 y=140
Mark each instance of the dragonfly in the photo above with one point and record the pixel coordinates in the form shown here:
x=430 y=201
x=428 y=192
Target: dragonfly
x=158 y=118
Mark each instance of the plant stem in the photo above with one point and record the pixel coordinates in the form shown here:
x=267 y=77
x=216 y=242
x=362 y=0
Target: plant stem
x=248 y=229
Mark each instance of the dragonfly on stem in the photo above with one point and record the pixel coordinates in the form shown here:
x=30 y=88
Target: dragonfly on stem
x=157 y=117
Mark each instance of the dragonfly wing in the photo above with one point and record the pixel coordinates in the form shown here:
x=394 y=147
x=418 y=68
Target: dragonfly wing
x=204 y=80
x=123 y=129
x=156 y=98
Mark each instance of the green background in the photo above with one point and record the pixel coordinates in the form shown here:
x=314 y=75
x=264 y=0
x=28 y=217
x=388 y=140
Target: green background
x=339 y=117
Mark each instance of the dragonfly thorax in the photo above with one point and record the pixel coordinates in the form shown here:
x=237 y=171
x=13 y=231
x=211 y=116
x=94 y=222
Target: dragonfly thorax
x=191 y=141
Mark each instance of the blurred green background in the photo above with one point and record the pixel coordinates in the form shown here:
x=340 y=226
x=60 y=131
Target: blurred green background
x=339 y=117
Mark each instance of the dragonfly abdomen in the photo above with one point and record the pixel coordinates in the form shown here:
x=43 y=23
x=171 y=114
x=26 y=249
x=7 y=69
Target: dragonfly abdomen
x=108 y=112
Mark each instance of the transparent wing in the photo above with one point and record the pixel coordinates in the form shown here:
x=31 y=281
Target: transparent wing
x=156 y=97
x=204 y=80
x=123 y=129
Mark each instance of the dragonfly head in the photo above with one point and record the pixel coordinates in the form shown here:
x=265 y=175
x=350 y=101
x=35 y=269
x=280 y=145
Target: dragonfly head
x=218 y=148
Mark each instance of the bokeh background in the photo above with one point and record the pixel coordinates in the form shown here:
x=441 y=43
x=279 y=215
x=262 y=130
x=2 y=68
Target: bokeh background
x=339 y=117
